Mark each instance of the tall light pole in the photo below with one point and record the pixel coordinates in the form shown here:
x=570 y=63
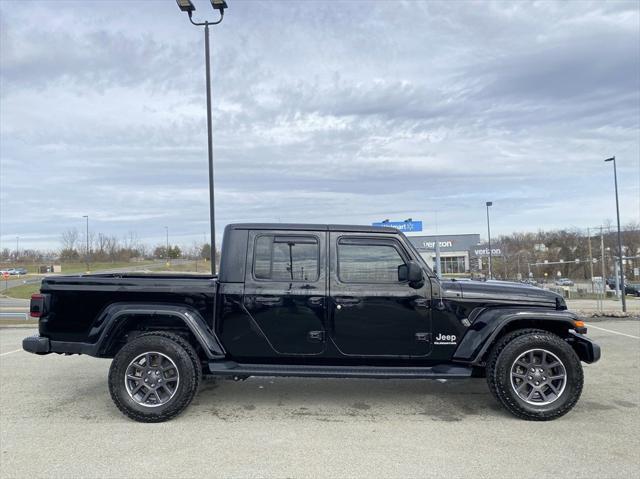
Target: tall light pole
x=489 y=203
x=220 y=5
x=87 y=237
x=17 y=248
x=620 y=255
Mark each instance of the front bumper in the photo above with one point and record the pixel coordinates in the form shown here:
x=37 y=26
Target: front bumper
x=36 y=344
x=587 y=350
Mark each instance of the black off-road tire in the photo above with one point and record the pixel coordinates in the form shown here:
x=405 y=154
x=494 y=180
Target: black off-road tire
x=183 y=356
x=495 y=352
x=509 y=349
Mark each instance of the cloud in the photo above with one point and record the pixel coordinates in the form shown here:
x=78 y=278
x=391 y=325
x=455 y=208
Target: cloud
x=323 y=112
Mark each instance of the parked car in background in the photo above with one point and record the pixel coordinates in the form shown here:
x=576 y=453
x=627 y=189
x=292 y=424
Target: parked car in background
x=611 y=282
x=632 y=288
x=13 y=271
x=564 y=282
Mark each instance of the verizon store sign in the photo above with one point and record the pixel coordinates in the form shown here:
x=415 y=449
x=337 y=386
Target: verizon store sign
x=447 y=243
x=483 y=250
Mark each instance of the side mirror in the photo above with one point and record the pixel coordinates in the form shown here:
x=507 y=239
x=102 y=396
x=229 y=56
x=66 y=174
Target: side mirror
x=411 y=272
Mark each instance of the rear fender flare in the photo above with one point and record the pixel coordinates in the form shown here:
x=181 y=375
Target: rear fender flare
x=110 y=324
x=489 y=324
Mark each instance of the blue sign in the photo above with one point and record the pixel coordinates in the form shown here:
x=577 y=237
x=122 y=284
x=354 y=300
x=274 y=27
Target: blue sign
x=404 y=226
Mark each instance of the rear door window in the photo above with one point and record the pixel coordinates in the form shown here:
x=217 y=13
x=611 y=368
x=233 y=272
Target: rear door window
x=286 y=258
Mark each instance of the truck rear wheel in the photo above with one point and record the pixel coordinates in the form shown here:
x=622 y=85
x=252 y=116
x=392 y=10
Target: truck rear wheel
x=154 y=377
x=535 y=375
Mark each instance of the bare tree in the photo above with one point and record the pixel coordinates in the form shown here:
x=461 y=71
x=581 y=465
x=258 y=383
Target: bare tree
x=112 y=248
x=69 y=239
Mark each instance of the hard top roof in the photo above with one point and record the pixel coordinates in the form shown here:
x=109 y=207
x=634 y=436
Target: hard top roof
x=313 y=227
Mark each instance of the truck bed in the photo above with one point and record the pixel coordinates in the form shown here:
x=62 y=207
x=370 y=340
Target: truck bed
x=78 y=300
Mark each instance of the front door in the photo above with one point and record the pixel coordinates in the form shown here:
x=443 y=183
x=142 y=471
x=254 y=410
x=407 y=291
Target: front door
x=285 y=290
x=371 y=313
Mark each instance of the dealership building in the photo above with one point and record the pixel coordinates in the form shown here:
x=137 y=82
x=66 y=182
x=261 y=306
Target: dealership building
x=459 y=254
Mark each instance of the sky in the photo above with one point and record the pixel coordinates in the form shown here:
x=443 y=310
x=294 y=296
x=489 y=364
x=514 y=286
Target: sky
x=343 y=112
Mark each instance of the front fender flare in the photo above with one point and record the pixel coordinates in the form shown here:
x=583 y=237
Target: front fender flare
x=488 y=325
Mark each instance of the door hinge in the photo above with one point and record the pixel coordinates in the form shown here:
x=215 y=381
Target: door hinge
x=315 y=335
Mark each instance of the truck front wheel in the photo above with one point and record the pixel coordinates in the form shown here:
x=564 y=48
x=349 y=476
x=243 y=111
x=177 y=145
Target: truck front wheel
x=535 y=374
x=154 y=377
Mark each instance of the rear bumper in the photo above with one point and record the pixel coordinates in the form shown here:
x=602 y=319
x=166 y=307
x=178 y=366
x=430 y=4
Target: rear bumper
x=36 y=344
x=587 y=350
x=41 y=345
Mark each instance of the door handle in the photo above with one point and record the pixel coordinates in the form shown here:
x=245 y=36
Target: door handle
x=315 y=302
x=423 y=337
x=421 y=303
x=344 y=301
x=315 y=336
x=267 y=300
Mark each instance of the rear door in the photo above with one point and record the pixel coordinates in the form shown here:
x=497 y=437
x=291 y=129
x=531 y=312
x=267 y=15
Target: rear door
x=371 y=313
x=285 y=289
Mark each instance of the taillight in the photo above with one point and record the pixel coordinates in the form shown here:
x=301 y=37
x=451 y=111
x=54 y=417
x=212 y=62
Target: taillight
x=36 y=307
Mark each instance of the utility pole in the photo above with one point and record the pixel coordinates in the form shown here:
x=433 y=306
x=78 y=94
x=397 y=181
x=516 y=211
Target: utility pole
x=590 y=258
x=620 y=253
x=604 y=278
x=438 y=266
x=489 y=203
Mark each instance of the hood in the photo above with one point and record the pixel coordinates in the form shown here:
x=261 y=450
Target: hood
x=502 y=291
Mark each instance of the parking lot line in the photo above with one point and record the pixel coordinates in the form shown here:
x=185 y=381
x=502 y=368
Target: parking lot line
x=613 y=332
x=11 y=352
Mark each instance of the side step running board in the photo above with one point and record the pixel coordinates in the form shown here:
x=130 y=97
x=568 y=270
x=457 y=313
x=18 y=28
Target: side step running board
x=231 y=368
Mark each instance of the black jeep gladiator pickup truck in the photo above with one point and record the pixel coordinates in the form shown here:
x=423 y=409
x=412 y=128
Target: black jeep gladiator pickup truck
x=314 y=301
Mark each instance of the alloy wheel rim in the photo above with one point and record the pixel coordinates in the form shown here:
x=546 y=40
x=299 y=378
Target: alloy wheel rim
x=151 y=379
x=538 y=377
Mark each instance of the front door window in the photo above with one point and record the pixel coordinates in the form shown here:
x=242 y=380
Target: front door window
x=361 y=263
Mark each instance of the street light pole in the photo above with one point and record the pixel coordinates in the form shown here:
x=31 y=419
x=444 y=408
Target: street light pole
x=87 y=247
x=212 y=215
x=620 y=254
x=220 y=5
x=489 y=203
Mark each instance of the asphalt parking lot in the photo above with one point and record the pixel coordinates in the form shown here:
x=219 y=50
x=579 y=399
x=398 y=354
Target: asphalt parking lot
x=57 y=420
